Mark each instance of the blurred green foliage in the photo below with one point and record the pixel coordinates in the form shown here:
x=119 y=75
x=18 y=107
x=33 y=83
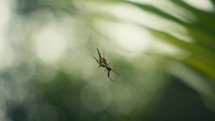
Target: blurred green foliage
x=39 y=83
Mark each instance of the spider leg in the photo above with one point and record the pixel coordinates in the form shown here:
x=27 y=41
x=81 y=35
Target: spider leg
x=96 y=59
x=110 y=78
x=109 y=70
x=115 y=72
x=109 y=75
x=99 y=54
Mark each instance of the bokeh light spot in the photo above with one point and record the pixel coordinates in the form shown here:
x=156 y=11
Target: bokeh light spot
x=50 y=44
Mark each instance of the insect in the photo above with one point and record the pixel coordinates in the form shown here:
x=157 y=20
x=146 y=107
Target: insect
x=103 y=63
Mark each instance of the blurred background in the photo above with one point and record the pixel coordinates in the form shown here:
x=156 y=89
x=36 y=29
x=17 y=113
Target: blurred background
x=163 y=51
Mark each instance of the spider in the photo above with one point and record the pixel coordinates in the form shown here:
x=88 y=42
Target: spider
x=103 y=63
